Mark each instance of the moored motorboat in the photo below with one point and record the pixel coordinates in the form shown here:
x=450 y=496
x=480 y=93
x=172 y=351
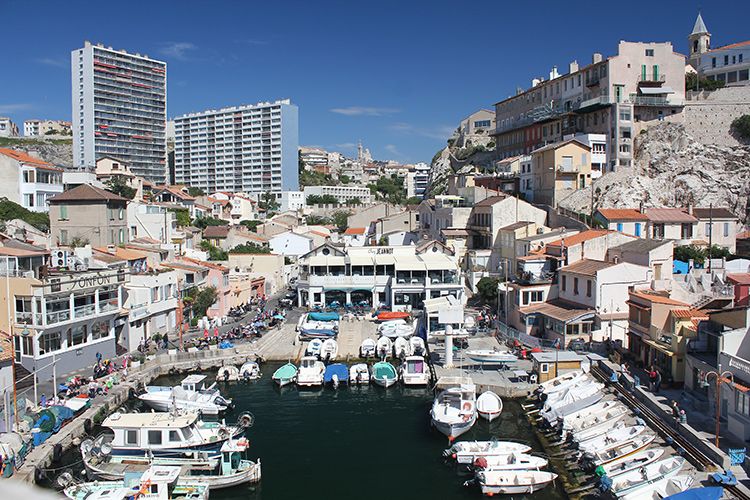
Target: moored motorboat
x=617 y=435
x=384 y=374
x=397 y=331
x=401 y=347
x=368 y=348
x=454 y=410
x=310 y=373
x=417 y=346
x=359 y=374
x=631 y=462
x=285 y=374
x=250 y=370
x=552 y=383
x=415 y=371
x=588 y=418
x=190 y=395
x=336 y=374
x=619 y=450
x=598 y=430
x=490 y=356
x=675 y=488
x=228 y=373
x=384 y=347
x=329 y=350
x=642 y=478
x=467 y=452
x=156 y=483
x=574 y=399
x=392 y=315
x=513 y=482
x=489 y=405
x=512 y=461
x=313 y=348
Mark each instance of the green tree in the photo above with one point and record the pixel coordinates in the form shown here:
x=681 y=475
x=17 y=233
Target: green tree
x=741 y=126
x=344 y=179
x=250 y=248
x=312 y=178
x=487 y=288
x=390 y=189
x=341 y=220
x=353 y=201
x=204 y=222
x=317 y=220
x=118 y=184
x=692 y=82
x=196 y=191
x=205 y=298
x=718 y=252
x=252 y=225
x=414 y=200
x=182 y=216
x=10 y=210
x=214 y=252
x=268 y=202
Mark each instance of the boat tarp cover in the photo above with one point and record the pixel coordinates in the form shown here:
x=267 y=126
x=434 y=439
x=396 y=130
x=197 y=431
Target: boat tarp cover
x=383 y=370
x=388 y=315
x=286 y=371
x=323 y=316
x=710 y=493
x=337 y=369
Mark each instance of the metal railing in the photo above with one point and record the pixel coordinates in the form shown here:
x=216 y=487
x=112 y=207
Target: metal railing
x=651 y=77
x=641 y=100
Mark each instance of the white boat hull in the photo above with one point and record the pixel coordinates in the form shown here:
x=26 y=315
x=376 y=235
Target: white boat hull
x=514 y=482
x=454 y=430
x=467 y=452
x=165 y=405
x=385 y=382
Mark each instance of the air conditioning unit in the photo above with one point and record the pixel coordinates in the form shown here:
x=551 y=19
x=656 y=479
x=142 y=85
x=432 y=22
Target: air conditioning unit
x=59 y=258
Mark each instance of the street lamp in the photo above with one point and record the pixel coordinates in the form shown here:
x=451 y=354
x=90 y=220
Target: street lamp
x=721 y=378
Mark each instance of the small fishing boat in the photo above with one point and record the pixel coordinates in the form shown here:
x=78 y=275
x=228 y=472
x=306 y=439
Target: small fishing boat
x=578 y=420
x=228 y=373
x=391 y=315
x=417 y=346
x=157 y=483
x=600 y=429
x=250 y=370
x=512 y=461
x=615 y=436
x=490 y=356
x=631 y=462
x=313 y=348
x=384 y=374
x=401 y=347
x=489 y=405
x=574 y=399
x=675 y=488
x=310 y=373
x=368 y=348
x=586 y=421
x=359 y=374
x=336 y=374
x=224 y=470
x=454 y=410
x=329 y=350
x=397 y=331
x=641 y=479
x=467 y=452
x=384 y=347
x=560 y=379
x=285 y=374
x=619 y=450
x=584 y=387
x=513 y=482
x=191 y=395
x=415 y=371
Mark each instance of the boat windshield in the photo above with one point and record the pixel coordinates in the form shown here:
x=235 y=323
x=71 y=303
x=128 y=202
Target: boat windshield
x=452 y=400
x=187 y=433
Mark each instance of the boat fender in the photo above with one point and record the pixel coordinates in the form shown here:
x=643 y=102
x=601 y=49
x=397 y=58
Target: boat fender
x=88 y=425
x=38 y=475
x=56 y=453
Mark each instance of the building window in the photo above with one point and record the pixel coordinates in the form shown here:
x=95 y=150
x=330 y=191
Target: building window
x=649 y=52
x=708 y=229
x=63 y=212
x=619 y=226
x=575 y=286
x=726 y=60
x=63 y=236
x=588 y=288
x=659 y=231
x=726 y=229
x=76 y=335
x=543 y=368
x=100 y=330
x=564 y=282
x=687 y=231
x=121 y=236
x=742 y=403
x=49 y=342
x=637 y=228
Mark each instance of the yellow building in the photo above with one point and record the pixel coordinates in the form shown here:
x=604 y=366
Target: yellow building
x=558 y=169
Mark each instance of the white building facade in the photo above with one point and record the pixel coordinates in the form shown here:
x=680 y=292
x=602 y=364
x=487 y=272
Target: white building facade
x=341 y=193
x=251 y=149
x=27 y=180
x=152 y=306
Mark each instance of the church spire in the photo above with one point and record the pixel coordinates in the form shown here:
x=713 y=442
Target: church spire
x=700 y=26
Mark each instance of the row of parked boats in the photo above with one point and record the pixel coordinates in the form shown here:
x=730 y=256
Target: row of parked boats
x=608 y=439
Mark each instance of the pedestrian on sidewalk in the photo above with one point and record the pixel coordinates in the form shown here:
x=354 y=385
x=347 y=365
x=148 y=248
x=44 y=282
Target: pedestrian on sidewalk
x=675 y=412
x=657 y=382
x=651 y=378
x=166 y=341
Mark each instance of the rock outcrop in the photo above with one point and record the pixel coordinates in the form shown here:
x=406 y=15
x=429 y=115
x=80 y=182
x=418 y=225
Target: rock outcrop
x=56 y=151
x=452 y=160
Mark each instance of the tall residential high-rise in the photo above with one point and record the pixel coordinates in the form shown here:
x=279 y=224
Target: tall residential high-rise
x=119 y=109
x=251 y=148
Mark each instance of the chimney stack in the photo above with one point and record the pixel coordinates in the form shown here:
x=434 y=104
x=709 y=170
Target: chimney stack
x=596 y=58
x=553 y=74
x=573 y=67
x=690 y=208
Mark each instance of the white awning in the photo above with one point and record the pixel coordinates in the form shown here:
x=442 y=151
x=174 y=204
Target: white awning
x=336 y=260
x=360 y=259
x=656 y=90
x=385 y=260
x=409 y=263
x=438 y=261
x=317 y=260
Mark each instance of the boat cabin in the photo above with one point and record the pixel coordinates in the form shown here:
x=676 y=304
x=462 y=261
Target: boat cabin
x=232 y=453
x=151 y=430
x=461 y=398
x=157 y=483
x=193 y=383
x=308 y=362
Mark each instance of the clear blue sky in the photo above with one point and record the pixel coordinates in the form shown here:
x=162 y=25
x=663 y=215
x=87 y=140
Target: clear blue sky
x=397 y=74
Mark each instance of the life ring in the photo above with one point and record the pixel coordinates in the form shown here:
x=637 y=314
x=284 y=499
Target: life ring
x=145 y=487
x=467 y=406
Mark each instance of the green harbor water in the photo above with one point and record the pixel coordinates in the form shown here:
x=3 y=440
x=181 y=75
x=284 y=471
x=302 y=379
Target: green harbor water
x=364 y=443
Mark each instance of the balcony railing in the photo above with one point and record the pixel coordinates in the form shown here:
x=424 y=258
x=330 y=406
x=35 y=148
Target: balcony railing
x=568 y=169
x=651 y=77
x=642 y=100
x=107 y=306
x=58 y=316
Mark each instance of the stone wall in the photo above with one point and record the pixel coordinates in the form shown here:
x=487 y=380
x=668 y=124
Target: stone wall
x=708 y=116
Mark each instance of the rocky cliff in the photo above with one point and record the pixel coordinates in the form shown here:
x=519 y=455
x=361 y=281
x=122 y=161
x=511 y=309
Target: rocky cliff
x=673 y=169
x=54 y=150
x=451 y=160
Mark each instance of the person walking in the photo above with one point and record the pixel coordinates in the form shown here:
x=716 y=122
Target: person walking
x=166 y=341
x=657 y=381
x=651 y=378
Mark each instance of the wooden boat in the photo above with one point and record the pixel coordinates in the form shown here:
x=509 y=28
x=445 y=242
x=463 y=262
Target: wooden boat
x=599 y=429
x=454 y=410
x=157 y=483
x=619 y=450
x=191 y=395
x=384 y=347
x=596 y=418
x=285 y=374
x=368 y=348
x=619 y=435
x=250 y=370
x=467 y=452
x=641 y=479
x=631 y=462
x=671 y=488
x=390 y=315
x=489 y=405
x=359 y=374
x=384 y=374
x=513 y=482
x=415 y=371
x=513 y=461
x=227 y=469
x=310 y=373
x=329 y=350
x=401 y=347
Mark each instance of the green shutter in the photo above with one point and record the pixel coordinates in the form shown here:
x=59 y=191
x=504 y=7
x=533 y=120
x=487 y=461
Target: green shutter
x=656 y=72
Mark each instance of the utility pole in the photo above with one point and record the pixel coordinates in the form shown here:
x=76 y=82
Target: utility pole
x=180 y=313
x=724 y=377
x=710 y=232
x=12 y=336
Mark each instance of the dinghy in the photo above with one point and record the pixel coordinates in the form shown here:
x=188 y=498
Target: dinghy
x=672 y=488
x=579 y=379
x=313 y=348
x=454 y=410
x=401 y=347
x=359 y=374
x=310 y=373
x=641 y=479
x=591 y=419
x=336 y=374
x=417 y=346
x=513 y=461
x=560 y=379
x=191 y=395
x=467 y=452
x=392 y=315
x=368 y=348
x=489 y=405
x=632 y=462
x=619 y=450
x=397 y=331
x=329 y=350
x=414 y=371
x=384 y=347
x=615 y=436
x=250 y=371
x=384 y=374
x=601 y=429
x=285 y=374
x=513 y=482
x=574 y=399
x=158 y=483
x=490 y=356
x=586 y=387
x=228 y=373
x=574 y=421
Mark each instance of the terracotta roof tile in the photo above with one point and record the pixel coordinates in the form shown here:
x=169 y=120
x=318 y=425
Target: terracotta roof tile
x=615 y=214
x=658 y=299
x=689 y=313
x=86 y=192
x=731 y=46
x=216 y=232
x=716 y=213
x=673 y=215
x=587 y=267
x=575 y=239
x=355 y=230
x=23 y=157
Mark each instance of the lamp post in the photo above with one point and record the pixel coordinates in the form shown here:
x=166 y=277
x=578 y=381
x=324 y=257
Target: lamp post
x=721 y=378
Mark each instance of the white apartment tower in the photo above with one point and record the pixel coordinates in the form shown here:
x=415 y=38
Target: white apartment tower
x=119 y=109
x=251 y=149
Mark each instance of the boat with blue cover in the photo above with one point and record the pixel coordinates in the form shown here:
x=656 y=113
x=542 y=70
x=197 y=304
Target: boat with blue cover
x=336 y=374
x=323 y=316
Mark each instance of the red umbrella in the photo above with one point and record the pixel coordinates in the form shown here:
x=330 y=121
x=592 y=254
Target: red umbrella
x=205 y=333
x=216 y=331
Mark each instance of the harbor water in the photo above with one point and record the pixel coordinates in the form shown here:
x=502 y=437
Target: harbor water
x=355 y=442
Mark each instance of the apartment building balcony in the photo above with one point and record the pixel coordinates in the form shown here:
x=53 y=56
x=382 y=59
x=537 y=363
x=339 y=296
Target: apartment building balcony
x=528 y=278
x=592 y=104
x=656 y=101
x=651 y=78
x=568 y=168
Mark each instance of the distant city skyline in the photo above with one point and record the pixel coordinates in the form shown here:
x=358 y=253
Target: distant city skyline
x=397 y=76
